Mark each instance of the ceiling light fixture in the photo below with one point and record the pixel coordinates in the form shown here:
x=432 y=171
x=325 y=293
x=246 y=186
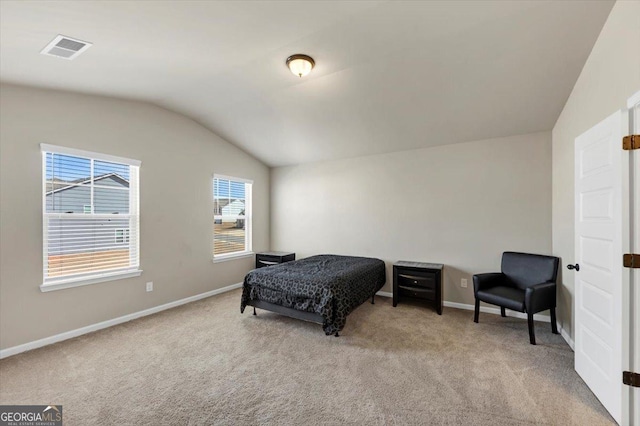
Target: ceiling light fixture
x=300 y=64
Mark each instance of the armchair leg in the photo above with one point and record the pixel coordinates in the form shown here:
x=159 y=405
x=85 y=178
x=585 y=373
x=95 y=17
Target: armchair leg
x=502 y=312
x=532 y=335
x=477 y=313
x=554 y=325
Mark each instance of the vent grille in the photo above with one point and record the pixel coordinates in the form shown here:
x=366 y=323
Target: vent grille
x=65 y=47
x=69 y=44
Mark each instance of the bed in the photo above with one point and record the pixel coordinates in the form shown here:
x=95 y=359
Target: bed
x=322 y=289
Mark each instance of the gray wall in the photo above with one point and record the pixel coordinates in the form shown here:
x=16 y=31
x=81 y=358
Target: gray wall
x=178 y=158
x=610 y=76
x=461 y=205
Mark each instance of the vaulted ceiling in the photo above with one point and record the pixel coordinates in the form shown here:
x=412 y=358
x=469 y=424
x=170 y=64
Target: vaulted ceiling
x=389 y=76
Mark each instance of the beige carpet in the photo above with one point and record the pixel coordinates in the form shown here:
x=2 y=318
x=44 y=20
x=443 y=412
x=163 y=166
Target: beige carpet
x=205 y=363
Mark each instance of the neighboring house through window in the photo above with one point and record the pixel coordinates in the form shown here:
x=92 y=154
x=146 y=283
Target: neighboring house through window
x=88 y=198
x=122 y=236
x=232 y=216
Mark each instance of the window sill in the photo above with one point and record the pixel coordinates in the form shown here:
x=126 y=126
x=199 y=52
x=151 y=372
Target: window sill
x=233 y=256
x=77 y=282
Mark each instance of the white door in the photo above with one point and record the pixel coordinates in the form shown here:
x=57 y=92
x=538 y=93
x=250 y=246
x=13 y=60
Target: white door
x=599 y=311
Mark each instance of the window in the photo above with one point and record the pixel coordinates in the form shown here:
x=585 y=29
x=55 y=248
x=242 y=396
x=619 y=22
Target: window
x=90 y=217
x=231 y=216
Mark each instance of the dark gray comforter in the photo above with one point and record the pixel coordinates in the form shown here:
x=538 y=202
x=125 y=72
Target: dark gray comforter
x=328 y=285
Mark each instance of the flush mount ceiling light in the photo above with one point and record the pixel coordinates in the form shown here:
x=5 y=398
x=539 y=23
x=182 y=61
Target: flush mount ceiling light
x=300 y=65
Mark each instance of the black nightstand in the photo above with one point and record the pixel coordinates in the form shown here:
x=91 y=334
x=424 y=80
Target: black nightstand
x=417 y=280
x=268 y=258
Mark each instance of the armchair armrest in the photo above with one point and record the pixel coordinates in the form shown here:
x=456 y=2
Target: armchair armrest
x=540 y=297
x=485 y=281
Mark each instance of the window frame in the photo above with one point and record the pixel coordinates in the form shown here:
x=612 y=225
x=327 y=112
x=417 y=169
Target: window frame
x=81 y=279
x=248 y=218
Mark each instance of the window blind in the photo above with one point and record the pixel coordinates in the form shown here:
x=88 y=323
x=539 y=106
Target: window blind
x=90 y=214
x=232 y=215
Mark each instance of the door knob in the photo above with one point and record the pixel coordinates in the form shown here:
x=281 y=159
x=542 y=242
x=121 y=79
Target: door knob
x=576 y=267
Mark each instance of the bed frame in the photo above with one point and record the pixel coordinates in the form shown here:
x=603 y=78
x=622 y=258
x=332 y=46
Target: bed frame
x=292 y=313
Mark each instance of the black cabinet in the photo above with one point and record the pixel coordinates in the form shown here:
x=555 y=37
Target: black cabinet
x=269 y=258
x=419 y=281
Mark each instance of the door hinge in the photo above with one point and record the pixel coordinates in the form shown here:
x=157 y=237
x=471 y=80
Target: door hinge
x=630 y=378
x=631 y=142
x=631 y=260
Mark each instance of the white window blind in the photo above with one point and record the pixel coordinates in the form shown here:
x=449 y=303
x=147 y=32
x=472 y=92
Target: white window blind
x=90 y=215
x=232 y=216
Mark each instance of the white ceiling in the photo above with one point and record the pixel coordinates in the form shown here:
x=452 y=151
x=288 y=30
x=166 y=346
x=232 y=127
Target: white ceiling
x=389 y=76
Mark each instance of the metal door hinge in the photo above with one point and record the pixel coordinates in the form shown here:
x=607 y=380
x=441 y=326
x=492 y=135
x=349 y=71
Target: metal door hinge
x=631 y=260
x=631 y=142
x=631 y=379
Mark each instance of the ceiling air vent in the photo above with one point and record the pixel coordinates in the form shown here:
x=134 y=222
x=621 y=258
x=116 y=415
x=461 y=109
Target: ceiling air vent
x=65 y=47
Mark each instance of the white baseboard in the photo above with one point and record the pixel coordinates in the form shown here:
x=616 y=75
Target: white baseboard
x=4 y=353
x=567 y=338
x=109 y=323
x=496 y=311
x=515 y=314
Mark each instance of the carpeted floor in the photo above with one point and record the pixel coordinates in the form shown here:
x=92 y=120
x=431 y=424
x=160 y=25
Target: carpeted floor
x=205 y=363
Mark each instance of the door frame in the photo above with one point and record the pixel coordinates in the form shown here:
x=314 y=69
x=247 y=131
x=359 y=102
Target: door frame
x=627 y=345
x=632 y=209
